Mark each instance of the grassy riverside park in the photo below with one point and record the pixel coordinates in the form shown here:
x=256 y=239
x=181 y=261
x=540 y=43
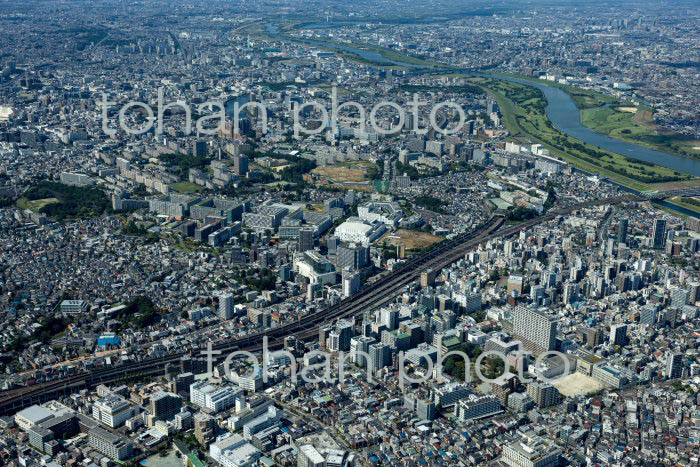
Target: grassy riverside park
x=635 y=125
x=688 y=203
x=622 y=120
x=524 y=115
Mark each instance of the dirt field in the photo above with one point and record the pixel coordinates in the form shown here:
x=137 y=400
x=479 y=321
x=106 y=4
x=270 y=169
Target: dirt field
x=411 y=238
x=335 y=173
x=348 y=186
x=627 y=109
x=646 y=119
x=676 y=185
x=578 y=384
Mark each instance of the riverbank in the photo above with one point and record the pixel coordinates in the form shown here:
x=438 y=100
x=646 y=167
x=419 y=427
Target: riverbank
x=524 y=115
x=634 y=124
x=622 y=120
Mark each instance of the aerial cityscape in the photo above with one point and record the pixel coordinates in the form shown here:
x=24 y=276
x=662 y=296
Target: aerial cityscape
x=349 y=233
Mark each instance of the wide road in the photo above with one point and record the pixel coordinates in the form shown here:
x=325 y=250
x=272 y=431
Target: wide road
x=381 y=292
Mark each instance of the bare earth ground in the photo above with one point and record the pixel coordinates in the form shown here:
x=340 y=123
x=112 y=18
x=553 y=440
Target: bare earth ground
x=676 y=185
x=578 y=384
x=646 y=119
x=340 y=174
x=411 y=238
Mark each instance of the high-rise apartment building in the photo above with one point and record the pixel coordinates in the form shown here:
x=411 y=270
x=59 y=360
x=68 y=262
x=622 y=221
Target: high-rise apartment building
x=674 y=365
x=618 y=334
x=659 y=234
x=622 y=231
x=536 y=330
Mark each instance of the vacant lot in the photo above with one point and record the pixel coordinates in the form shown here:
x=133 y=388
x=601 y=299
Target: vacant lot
x=413 y=239
x=336 y=173
x=577 y=384
x=695 y=183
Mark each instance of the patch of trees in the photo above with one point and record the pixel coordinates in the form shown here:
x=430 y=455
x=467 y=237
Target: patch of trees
x=182 y=163
x=520 y=213
x=49 y=328
x=75 y=201
x=139 y=313
x=295 y=174
x=258 y=279
x=431 y=203
x=454 y=365
x=133 y=229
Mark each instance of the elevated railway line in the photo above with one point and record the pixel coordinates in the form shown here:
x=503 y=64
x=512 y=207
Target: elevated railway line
x=379 y=293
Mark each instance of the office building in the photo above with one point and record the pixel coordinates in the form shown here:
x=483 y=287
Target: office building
x=647 y=315
x=379 y=357
x=622 y=231
x=679 y=297
x=199 y=149
x=424 y=409
x=390 y=318
x=182 y=382
x=113 y=411
x=352 y=256
x=226 y=306
x=345 y=330
x=315 y=267
x=240 y=165
x=306 y=240
x=594 y=337
x=351 y=283
x=359 y=346
x=213 y=398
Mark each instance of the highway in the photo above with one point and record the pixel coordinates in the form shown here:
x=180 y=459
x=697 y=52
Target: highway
x=381 y=292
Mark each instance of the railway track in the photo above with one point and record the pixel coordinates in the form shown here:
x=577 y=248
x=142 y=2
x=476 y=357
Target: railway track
x=378 y=294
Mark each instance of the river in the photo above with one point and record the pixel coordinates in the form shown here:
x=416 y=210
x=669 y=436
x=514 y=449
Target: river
x=271 y=30
x=565 y=116
x=561 y=110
